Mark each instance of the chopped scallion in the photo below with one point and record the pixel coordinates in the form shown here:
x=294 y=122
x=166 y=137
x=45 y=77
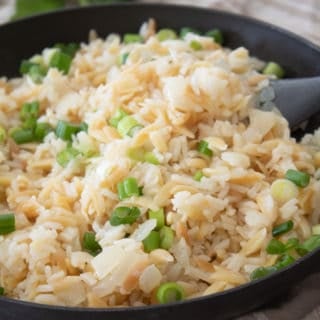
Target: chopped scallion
x=301 y=179
x=7 y=223
x=282 y=228
x=21 y=136
x=66 y=155
x=3 y=134
x=309 y=245
x=1 y=291
x=151 y=158
x=166 y=34
x=70 y=48
x=195 y=45
x=41 y=130
x=198 y=175
x=65 y=130
x=90 y=244
x=152 y=241
x=159 y=216
x=185 y=30
x=115 y=119
x=61 y=61
x=166 y=237
x=128 y=188
x=216 y=35
x=274 y=69
x=262 y=272
x=124 y=215
x=29 y=110
x=127 y=125
x=132 y=38
x=170 y=292
x=275 y=247
x=203 y=148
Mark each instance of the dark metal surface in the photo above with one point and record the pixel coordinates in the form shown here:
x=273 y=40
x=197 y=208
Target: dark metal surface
x=300 y=59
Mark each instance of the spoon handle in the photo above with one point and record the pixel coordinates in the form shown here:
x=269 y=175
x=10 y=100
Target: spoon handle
x=297 y=99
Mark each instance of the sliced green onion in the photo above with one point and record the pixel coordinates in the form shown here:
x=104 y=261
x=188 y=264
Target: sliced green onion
x=66 y=155
x=152 y=241
x=316 y=229
x=7 y=223
x=132 y=38
x=127 y=125
x=90 y=244
x=124 y=215
x=21 y=136
x=198 y=175
x=216 y=35
x=309 y=245
x=166 y=237
x=275 y=247
x=151 y=158
x=29 y=110
x=70 y=48
x=128 y=188
x=170 y=292
x=123 y=58
x=1 y=291
x=25 y=66
x=284 y=261
x=115 y=119
x=65 y=130
x=283 y=190
x=195 y=45
x=41 y=130
x=166 y=34
x=37 y=72
x=3 y=134
x=262 y=272
x=61 y=61
x=203 y=148
x=292 y=243
x=159 y=216
x=185 y=30
x=273 y=69
x=136 y=154
x=29 y=123
x=282 y=228
x=301 y=179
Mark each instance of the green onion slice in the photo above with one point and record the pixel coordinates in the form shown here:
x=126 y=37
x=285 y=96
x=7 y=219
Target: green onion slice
x=275 y=247
x=7 y=223
x=124 y=215
x=166 y=34
x=61 y=61
x=152 y=241
x=203 y=148
x=29 y=110
x=66 y=155
x=216 y=35
x=198 y=175
x=170 y=292
x=65 y=130
x=119 y=115
x=185 y=30
x=166 y=237
x=1 y=291
x=262 y=272
x=128 y=188
x=282 y=228
x=274 y=69
x=195 y=45
x=21 y=136
x=159 y=216
x=132 y=38
x=90 y=244
x=301 y=179
x=41 y=130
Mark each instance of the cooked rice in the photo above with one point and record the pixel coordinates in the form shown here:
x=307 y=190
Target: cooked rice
x=222 y=223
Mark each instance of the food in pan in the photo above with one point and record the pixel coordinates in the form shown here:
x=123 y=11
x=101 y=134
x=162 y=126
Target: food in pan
x=137 y=170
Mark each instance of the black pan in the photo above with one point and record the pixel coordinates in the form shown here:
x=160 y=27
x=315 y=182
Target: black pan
x=299 y=57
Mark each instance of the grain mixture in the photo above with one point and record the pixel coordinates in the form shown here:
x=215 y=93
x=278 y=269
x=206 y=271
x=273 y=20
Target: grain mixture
x=170 y=132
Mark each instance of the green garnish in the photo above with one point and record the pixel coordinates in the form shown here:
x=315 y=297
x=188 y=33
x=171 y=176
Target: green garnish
x=159 y=216
x=124 y=215
x=66 y=155
x=7 y=223
x=282 y=228
x=90 y=244
x=166 y=34
x=152 y=241
x=132 y=38
x=170 y=292
x=274 y=69
x=203 y=148
x=128 y=188
x=299 y=178
x=216 y=35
